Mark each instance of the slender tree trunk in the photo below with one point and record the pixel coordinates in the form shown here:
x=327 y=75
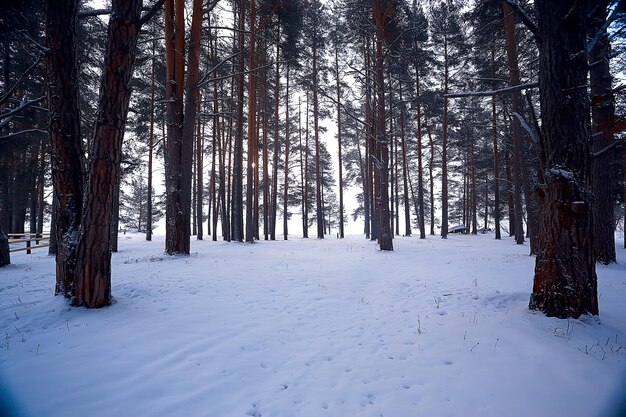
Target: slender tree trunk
x=516 y=99
x=565 y=282
x=431 y=178
x=199 y=178
x=603 y=115
x=318 y=179
x=151 y=142
x=305 y=216
x=509 y=193
x=444 y=148
x=496 y=158
x=286 y=183
x=237 y=233
x=93 y=266
x=274 y=202
x=339 y=144
x=420 y=167
x=252 y=138
x=405 y=175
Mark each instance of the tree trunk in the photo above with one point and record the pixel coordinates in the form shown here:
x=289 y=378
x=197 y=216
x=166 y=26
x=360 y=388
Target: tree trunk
x=496 y=158
x=151 y=142
x=237 y=233
x=565 y=283
x=93 y=266
x=274 y=193
x=305 y=209
x=5 y=255
x=65 y=136
x=318 y=179
x=603 y=115
x=444 y=147
x=405 y=175
x=252 y=137
x=420 y=167
x=286 y=184
x=431 y=178
x=385 y=234
x=516 y=99
x=339 y=144
x=199 y=178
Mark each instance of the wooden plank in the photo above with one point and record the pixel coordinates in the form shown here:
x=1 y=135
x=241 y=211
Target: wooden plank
x=32 y=247
x=27 y=234
x=27 y=240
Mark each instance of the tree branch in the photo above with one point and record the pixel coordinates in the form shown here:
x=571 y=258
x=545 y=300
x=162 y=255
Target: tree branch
x=8 y=94
x=151 y=12
x=604 y=150
x=22 y=132
x=501 y=91
x=525 y=17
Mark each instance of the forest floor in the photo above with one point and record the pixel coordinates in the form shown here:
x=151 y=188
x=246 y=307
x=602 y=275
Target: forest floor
x=310 y=328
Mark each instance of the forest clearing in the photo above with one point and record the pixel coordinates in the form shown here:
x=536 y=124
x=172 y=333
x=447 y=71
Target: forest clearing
x=313 y=208
x=311 y=328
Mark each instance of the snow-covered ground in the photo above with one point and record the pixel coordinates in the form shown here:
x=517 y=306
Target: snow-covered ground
x=310 y=328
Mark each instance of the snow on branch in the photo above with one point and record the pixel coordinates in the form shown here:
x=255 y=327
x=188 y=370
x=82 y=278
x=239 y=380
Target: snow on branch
x=501 y=91
x=23 y=132
x=531 y=132
x=7 y=116
x=525 y=17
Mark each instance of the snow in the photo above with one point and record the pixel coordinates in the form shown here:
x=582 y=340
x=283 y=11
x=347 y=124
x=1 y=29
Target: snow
x=310 y=328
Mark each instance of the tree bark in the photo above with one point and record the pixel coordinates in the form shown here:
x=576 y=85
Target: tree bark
x=565 y=283
x=339 y=144
x=603 y=116
x=65 y=136
x=385 y=234
x=93 y=266
x=252 y=137
x=318 y=179
x=286 y=183
x=496 y=157
x=237 y=233
x=516 y=99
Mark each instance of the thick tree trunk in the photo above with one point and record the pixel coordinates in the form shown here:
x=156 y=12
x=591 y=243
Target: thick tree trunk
x=175 y=236
x=385 y=234
x=65 y=136
x=603 y=115
x=93 y=267
x=565 y=283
